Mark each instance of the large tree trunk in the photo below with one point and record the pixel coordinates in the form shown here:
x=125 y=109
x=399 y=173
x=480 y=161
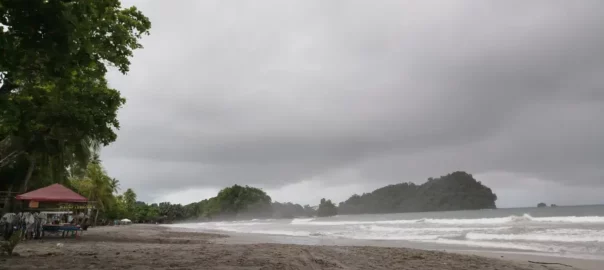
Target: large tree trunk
x=30 y=171
x=7 y=200
x=8 y=158
x=10 y=149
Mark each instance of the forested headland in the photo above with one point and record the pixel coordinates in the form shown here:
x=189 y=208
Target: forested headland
x=455 y=191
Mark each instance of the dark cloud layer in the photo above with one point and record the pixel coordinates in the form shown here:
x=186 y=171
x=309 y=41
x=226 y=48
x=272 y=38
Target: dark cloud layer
x=274 y=94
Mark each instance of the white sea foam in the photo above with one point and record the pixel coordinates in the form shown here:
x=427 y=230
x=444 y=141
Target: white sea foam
x=301 y=220
x=498 y=245
x=430 y=229
x=281 y=232
x=560 y=235
x=406 y=237
x=569 y=236
x=486 y=221
x=571 y=219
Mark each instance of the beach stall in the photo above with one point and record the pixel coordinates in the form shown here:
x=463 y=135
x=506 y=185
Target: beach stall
x=57 y=197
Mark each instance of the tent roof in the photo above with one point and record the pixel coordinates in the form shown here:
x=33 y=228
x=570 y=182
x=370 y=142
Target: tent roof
x=52 y=193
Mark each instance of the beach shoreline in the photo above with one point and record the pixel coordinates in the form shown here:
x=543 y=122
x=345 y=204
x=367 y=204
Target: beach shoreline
x=503 y=254
x=159 y=247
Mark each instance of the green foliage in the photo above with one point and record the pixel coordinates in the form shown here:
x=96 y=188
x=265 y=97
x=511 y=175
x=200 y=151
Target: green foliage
x=99 y=187
x=232 y=202
x=327 y=209
x=290 y=210
x=12 y=242
x=54 y=98
x=95 y=185
x=43 y=40
x=117 y=209
x=152 y=212
x=455 y=191
x=130 y=203
x=238 y=200
x=171 y=211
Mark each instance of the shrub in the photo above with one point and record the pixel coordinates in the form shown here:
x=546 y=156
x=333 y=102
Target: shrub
x=9 y=245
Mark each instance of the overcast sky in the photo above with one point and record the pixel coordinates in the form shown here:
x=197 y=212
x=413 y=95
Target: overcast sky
x=311 y=99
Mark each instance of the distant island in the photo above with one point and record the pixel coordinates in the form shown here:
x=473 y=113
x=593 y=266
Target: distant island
x=455 y=191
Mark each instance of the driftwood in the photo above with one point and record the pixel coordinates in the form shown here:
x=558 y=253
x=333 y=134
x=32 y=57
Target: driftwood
x=551 y=263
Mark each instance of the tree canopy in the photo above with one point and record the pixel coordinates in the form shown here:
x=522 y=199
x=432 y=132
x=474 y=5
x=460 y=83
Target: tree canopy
x=235 y=202
x=55 y=104
x=232 y=202
x=291 y=210
x=327 y=209
x=47 y=40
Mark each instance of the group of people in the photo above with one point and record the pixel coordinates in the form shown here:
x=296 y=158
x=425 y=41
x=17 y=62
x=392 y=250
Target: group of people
x=31 y=224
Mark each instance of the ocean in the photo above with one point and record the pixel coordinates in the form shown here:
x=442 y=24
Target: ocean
x=571 y=231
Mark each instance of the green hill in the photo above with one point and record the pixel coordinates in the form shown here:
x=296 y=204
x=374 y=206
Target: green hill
x=455 y=191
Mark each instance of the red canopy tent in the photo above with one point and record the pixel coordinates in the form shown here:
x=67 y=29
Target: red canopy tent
x=53 y=193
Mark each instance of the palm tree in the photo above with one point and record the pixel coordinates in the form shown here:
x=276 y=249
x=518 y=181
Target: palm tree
x=115 y=185
x=102 y=191
x=96 y=186
x=130 y=200
x=78 y=156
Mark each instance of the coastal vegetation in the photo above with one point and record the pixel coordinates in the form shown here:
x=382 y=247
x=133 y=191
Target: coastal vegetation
x=327 y=209
x=56 y=107
x=291 y=210
x=455 y=191
x=242 y=202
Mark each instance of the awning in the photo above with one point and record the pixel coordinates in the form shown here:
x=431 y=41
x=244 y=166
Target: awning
x=53 y=193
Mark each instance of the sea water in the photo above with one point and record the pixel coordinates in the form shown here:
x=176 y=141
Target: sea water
x=573 y=231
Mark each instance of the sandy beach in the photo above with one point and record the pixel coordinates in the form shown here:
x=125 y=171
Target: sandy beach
x=156 y=247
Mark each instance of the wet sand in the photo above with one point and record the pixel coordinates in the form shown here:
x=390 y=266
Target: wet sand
x=156 y=247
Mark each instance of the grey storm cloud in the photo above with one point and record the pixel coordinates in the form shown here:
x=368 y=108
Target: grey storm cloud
x=273 y=93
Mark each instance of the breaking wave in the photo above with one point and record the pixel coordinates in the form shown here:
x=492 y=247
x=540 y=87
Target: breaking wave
x=485 y=221
x=562 y=235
